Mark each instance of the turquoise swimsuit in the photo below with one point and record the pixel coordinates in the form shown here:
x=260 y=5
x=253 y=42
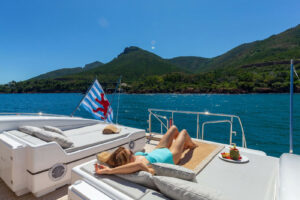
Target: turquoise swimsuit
x=162 y=155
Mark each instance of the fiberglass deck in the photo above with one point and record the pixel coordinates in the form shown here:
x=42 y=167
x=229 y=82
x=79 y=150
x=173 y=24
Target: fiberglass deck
x=7 y=194
x=212 y=175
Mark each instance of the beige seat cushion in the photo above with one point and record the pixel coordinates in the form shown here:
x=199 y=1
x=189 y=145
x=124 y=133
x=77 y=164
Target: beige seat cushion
x=141 y=177
x=47 y=136
x=53 y=129
x=179 y=189
x=91 y=135
x=164 y=169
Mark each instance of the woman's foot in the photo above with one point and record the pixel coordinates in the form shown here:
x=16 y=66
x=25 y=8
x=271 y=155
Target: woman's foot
x=191 y=145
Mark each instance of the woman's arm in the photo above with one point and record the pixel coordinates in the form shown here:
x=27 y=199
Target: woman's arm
x=124 y=169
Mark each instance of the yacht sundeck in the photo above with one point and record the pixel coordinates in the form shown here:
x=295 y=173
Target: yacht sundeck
x=263 y=177
x=30 y=164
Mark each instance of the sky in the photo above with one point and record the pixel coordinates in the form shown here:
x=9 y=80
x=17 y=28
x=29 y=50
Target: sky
x=38 y=36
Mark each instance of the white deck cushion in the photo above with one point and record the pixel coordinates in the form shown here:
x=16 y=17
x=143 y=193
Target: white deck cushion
x=141 y=177
x=135 y=191
x=26 y=137
x=47 y=135
x=92 y=135
x=29 y=129
x=185 y=190
x=163 y=169
x=53 y=129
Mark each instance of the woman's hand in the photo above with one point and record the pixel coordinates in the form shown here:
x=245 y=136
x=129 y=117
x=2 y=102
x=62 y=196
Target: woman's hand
x=102 y=169
x=151 y=170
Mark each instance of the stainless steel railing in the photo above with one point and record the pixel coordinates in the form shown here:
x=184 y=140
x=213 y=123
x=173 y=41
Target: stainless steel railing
x=164 y=122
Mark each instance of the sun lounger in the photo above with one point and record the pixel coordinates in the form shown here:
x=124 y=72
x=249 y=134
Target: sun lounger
x=253 y=180
x=110 y=185
x=29 y=164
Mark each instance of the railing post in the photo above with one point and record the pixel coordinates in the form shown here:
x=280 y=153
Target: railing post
x=243 y=133
x=168 y=124
x=173 y=118
x=202 y=131
x=150 y=131
x=197 y=126
x=230 y=140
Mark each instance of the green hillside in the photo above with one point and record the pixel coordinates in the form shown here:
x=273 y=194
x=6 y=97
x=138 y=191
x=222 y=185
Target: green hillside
x=92 y=65
x=68 y=71
x=58 y=73
x=191 y=63
x=283 y=46
x=133 y=64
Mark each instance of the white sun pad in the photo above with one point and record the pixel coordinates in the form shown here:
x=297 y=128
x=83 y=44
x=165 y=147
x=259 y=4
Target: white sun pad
x=81 y=190
x=37 y=157
x=113 y=186
x=253 y=180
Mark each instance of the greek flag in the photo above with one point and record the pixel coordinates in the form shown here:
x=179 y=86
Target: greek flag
x=97 y=104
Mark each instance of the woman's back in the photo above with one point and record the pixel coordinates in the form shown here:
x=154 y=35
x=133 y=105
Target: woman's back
x=161 y=155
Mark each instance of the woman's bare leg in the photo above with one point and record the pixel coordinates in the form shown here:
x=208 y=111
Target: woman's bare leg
x=182 y=142
x=167 y=140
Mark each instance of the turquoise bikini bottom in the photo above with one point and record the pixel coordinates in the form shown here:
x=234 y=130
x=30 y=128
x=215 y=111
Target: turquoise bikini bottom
x=162 y=155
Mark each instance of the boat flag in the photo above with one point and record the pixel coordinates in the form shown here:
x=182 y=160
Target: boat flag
x=97 y=104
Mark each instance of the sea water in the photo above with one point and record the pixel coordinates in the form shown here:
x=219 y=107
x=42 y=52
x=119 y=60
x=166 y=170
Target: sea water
x=265 y=117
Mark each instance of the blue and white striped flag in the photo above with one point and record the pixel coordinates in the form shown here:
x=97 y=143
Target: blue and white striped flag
x=97 y=104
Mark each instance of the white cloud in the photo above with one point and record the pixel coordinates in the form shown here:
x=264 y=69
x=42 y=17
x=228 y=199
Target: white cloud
x=103 y=22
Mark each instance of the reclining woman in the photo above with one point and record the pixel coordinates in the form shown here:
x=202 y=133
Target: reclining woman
x=169 y=150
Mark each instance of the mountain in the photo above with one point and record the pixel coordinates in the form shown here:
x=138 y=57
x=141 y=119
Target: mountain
x=283 y=46
x=58 y=73
x=133 y=64
x=191 y=63
x=68 y=71
x=92 y=65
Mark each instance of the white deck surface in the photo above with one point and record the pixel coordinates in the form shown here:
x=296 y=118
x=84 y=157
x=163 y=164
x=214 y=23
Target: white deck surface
x=253 y=180
x=7 y=194
x=59 y=194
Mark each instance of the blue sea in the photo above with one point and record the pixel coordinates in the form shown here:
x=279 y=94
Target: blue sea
x=265 y=117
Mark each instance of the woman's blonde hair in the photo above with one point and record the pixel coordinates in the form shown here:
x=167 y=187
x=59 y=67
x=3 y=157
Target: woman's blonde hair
x=117 y=158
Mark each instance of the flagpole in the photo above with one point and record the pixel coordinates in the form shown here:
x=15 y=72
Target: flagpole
x=291 y=104
x=113 y=97
x=118 y=101
x=72 y=114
